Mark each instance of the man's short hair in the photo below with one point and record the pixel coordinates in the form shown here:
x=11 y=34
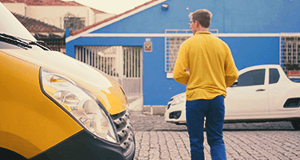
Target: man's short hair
x=203 y=16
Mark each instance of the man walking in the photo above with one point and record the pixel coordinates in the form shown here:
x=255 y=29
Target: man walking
x=206 y=66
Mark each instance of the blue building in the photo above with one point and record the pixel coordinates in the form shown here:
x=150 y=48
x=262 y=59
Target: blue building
x=139 y=47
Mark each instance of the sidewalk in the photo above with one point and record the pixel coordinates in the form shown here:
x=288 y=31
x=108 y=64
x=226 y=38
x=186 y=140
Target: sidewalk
x=158 y=140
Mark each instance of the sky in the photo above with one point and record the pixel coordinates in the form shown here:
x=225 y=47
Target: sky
x=112 y=6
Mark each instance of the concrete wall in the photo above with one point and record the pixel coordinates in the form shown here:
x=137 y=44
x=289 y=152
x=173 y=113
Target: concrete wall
x=54 y=15
x=19 y=8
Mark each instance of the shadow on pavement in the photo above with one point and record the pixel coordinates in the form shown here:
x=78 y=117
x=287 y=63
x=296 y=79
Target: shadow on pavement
x=143 y=122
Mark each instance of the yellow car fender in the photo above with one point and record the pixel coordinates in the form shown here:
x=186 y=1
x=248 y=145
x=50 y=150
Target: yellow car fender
x=30 y=122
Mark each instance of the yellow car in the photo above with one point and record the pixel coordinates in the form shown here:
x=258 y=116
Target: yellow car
x=55 y=107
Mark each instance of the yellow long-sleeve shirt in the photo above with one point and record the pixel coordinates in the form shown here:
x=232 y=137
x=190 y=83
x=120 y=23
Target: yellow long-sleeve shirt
x=210 y=64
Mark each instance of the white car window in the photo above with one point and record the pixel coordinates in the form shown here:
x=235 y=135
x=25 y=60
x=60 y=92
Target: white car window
x=251 y=78
x=274 y=76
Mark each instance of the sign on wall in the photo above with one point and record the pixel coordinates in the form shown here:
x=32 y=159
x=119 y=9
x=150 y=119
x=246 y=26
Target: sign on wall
x=148 y=45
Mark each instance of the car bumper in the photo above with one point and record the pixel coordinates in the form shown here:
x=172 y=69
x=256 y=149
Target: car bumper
x=176 y=114
x=83 y=145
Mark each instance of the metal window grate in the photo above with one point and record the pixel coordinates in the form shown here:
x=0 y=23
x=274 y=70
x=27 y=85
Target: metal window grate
x=73 y=23
x=100 y=57
x=171 y=51
x=56 y=44
x=173 y=40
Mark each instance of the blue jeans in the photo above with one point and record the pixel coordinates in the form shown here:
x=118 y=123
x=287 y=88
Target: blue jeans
x=214 y=112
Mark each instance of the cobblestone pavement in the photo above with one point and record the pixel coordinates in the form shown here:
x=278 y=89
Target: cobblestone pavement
x=158 y=140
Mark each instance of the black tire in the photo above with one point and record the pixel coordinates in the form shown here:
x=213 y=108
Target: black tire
x=296 y=124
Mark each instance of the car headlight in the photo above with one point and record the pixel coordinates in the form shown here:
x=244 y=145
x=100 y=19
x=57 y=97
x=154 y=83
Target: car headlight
x=178 y=99
x=80 y=103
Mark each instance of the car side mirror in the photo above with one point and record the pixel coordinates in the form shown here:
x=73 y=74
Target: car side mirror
x=234 y=84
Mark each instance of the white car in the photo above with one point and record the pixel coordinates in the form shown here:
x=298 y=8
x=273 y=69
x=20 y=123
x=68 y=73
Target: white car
x=261 y=94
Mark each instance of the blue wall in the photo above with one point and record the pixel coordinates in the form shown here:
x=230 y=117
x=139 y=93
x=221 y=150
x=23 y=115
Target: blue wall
x=229 y=16
x=250 y=51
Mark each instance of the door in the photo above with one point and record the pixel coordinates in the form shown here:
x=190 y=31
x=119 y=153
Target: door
x=248 y=97
x=131 y=79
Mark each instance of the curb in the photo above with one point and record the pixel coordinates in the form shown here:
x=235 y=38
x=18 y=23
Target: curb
x=154 y=110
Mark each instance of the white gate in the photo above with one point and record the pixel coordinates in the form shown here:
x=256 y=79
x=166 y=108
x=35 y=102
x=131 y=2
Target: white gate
x=122 y=63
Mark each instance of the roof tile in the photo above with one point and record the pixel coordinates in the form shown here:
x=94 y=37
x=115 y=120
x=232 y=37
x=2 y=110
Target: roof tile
x=33 y=25
x=49 y=3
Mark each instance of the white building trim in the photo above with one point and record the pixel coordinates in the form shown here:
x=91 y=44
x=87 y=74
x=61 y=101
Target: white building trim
x=184 y=35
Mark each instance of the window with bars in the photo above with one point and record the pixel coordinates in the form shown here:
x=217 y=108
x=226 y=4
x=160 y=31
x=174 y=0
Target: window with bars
x=291 y=54
x=171 y=51
x=173 y=39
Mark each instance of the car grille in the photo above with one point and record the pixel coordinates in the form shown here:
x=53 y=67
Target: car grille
x=124 y=131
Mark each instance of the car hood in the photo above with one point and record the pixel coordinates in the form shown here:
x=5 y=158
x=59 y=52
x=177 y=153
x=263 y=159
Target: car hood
x=179 y=95
x=105 y=88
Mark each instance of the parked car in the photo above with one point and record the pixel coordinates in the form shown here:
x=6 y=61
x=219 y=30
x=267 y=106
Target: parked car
x=55 y=107
x=261 y=94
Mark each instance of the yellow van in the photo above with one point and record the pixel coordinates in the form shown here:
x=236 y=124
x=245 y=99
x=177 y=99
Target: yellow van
x=55 y=107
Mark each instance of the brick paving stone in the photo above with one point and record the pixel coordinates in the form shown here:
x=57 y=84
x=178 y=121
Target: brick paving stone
x=158 y=140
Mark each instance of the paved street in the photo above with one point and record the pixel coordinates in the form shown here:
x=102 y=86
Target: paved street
x=158 y=140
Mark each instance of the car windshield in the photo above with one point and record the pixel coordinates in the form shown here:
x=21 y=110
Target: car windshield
x=12 y=27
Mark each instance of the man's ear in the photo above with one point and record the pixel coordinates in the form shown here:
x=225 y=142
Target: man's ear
x=198 y=24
